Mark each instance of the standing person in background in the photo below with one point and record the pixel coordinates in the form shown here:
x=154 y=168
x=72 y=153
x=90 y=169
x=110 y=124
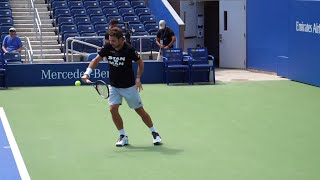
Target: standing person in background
x=165 y=37
x=113 y=23
x=123 y=83
x=12 y=42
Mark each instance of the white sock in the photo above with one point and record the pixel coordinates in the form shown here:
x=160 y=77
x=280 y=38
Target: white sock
x=122 y=132
x=153 y=129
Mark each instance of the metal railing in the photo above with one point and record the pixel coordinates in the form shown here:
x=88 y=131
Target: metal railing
x=37 y=24
x=78 y=40
x=28 y=50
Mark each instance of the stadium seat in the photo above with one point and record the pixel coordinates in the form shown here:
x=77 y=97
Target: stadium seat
x=137 y=27
x=85 y=29
x=199 y=61
x=91 y=56
x=98 y=20
x=78 y=12
x=111 y=12
x=4 y=29
x=101 y=28
x=91 y=4
x=138 y=4
x=75 y=5
x=122 y=4
x=107 y=4
x=131 y=19
x=6 y=21
x=5 y=5
x=147 y=19
x=61 y=13
x=94 y=12
x=82 y=20
x=12 y=57
x=57 y=5
x=119 y=18
x=3 y=72
x=76 y=46
x=142 y=11
x=5 y=13
x=89 y=49
x=173 y=62
x=126 y=12
x=152 y=27
x=66 y=29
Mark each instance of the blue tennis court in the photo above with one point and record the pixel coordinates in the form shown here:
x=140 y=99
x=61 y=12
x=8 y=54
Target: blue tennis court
x=12 y=166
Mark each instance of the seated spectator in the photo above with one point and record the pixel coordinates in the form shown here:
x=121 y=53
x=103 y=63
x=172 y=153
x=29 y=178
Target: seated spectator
x=12 y=42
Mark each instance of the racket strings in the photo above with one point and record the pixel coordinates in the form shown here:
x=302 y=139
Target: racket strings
x=103 y=90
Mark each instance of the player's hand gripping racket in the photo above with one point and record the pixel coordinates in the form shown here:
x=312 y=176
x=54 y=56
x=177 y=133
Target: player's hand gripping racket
x=101 y=87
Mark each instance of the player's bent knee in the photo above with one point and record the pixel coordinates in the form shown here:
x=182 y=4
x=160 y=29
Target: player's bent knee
x=114 y=108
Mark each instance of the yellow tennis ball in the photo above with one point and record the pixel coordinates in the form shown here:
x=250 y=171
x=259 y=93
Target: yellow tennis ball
x=77 y=83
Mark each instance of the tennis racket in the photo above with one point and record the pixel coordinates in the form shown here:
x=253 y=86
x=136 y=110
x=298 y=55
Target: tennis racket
x=101 y=87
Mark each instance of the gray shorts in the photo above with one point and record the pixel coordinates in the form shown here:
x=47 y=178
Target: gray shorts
x=131 y=95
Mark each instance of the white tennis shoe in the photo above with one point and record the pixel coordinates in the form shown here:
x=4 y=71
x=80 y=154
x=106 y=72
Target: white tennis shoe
x=156 y=138
x=122 y=141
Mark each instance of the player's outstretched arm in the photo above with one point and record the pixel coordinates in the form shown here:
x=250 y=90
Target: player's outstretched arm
x=93 y=64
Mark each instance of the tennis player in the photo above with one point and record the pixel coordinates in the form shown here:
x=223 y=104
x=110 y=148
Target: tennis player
x=123 y=84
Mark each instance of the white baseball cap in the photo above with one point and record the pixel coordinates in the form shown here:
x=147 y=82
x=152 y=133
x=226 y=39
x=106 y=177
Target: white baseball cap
x=162 y=24
x=12 y=29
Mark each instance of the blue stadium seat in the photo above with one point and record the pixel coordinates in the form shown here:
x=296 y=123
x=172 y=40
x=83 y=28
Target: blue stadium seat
x=82 y=20
x=91 y=56
x=122 y=4
x=78 y=12
x=85 y=29
x=67 y=29
x=119 y=18
x=199 y=61
x=5 y=5
x=61 y=13
x=131 y=19
x=89 y=49
x=142 y=11
x=75 y=5
x=90 y=34
x=137 y=27
x=107 y=4
x=63 y=21
x=12 y=57
x=3 y=71
x=76 y=46
x=147 y=19
x=173 y=62
x=98 y=20
x=91 y=4
x=6 y=21
x=5 y=13
x=57 y=5
x=111 y=12
x=4 y=29
x=94 y=12
x=138 y=4
x=101 y=28
x=126 y=12
x=151 y=27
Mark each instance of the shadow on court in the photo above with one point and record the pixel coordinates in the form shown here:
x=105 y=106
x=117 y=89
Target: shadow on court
x=156 y=149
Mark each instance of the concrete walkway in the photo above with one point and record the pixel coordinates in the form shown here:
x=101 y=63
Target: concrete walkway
x=233 y=75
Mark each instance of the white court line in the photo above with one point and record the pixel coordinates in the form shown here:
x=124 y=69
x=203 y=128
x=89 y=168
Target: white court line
x=14 y=147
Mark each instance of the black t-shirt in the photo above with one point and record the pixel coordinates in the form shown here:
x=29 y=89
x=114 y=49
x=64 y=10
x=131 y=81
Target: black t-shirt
x=120 y=64
x=165 y=35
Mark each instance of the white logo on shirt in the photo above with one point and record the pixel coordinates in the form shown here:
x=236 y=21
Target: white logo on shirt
x=116 y=61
